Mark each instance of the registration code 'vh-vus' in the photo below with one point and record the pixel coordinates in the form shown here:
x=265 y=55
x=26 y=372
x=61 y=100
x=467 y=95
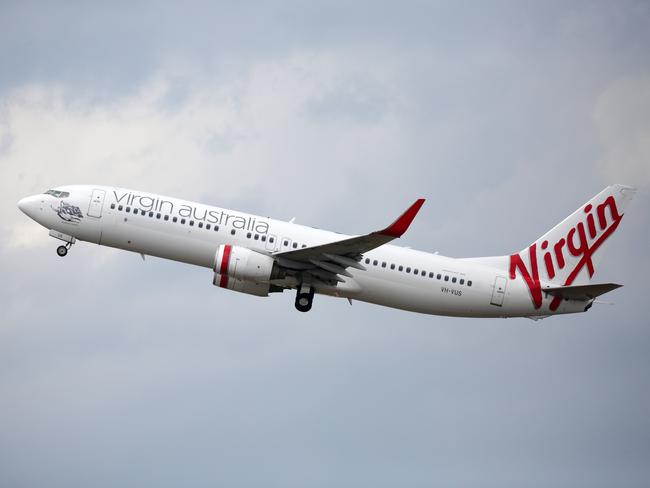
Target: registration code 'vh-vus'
x=260 y=256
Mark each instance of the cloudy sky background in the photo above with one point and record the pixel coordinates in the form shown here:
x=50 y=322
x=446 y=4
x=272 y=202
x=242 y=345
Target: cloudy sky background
x=506 y=116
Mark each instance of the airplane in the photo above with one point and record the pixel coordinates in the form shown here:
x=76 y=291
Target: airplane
x=261 y=256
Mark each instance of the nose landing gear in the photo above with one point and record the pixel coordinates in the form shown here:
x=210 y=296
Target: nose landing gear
x=69 y=241
x=304 y=298
x=63 y=250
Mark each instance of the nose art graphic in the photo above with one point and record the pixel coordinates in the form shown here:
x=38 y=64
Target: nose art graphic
x=67 y=212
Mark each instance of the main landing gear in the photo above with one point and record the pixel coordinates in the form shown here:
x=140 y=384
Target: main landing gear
x=63 y=250
x=304 y=298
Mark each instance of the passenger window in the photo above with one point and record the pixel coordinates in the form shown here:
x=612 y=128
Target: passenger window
x=431 y=275
x=383 y=264
x=232 y=231
x=367 y=261
x=157 y=216
x=200 y=225
x=295 y=245
x=150 y=214
x=423 y=273
x=128 y=209
x=415 y=271
x=392 y=266
x=183 y=221
x=216 y=228
x=286 y=243
x=207 y=226
x=375 y=262
x=271 y=239
x=401 y=268
x=462 y=281
x=263 y=238
x=174 y=219
x=408 y=270
x=166 y=217
x=453 y=280
x=119 y=208
x=304 y=246
x=112 y=205
x=439 y=276
x=469 y=282
x=256 y=237
x=248 y=235
x=446 y=278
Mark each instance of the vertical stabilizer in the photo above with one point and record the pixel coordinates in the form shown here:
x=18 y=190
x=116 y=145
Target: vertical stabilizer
x=570 y=252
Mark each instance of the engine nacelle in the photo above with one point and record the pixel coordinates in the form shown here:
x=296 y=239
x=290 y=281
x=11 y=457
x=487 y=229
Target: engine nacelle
x=240 y=269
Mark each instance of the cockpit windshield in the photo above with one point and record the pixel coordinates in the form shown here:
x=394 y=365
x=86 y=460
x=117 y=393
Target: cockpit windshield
x=57 y=193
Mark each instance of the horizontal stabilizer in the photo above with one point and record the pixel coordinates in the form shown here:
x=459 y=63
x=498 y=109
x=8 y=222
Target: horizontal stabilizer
x=581 y=292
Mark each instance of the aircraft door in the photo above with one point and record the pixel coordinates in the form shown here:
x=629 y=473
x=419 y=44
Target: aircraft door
x=96 y=203
x=271 y=241
x=285 y=244
x=499 y=291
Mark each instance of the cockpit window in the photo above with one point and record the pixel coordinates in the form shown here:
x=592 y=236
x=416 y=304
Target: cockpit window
x=57 y=193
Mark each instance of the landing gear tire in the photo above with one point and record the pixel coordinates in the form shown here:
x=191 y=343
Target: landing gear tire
x=62 y=250
x=304 y=300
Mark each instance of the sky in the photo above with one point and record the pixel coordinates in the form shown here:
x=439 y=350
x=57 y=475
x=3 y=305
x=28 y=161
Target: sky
x=505 y=116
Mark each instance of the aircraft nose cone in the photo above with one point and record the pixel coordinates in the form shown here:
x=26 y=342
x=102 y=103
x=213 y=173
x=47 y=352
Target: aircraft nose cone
x=28 y=205
x=22 y=204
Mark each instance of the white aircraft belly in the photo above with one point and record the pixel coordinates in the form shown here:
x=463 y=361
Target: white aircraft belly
x=183 y=245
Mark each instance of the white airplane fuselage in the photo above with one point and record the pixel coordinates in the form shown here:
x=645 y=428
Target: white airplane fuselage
x=192 y=233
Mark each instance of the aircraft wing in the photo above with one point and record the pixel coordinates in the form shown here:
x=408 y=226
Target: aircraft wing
x=326 y=261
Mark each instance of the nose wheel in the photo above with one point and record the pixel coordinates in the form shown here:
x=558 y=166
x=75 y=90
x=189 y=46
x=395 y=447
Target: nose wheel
x=304 y=298
x=63 y=250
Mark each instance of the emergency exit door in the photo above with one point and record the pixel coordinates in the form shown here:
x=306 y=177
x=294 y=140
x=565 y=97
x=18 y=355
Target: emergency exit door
x=96 y=203
x=499 y=292
x=270 y=242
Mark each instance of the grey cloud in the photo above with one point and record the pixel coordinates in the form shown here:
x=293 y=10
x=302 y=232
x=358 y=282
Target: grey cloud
x=621 y=117
x=119 y=372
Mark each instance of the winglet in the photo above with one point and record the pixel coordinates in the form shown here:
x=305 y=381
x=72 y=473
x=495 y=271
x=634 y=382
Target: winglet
x=401 y=225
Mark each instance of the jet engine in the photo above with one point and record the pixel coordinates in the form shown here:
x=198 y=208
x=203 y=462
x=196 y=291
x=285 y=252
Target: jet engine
x=240 y=269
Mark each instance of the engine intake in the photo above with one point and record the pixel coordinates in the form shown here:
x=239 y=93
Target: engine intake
x=240 y=269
